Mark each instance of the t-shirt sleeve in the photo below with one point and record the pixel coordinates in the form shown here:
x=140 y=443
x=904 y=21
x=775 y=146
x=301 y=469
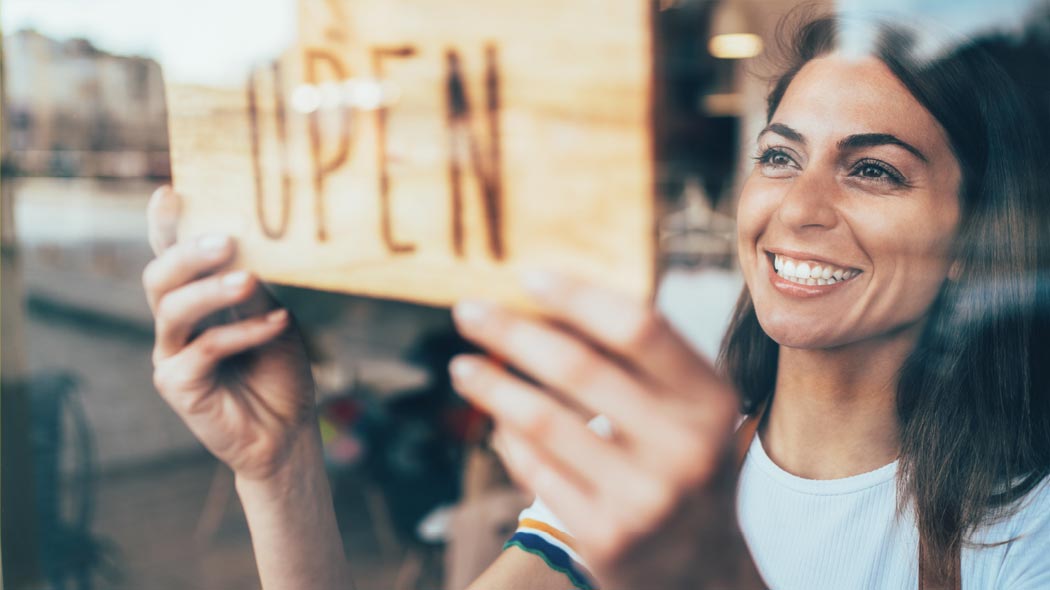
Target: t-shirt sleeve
x=1026 y=565
x=543 y=534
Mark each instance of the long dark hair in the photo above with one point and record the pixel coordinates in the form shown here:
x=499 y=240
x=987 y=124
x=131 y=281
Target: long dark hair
x=972 y=398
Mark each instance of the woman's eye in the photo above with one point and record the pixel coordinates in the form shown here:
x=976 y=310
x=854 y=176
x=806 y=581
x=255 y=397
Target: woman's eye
x=870 y=171
x=878 y=172
x=774 y=158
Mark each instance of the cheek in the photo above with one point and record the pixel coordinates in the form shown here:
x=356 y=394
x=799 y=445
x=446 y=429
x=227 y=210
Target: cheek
x=910 y=252
x=754 y=211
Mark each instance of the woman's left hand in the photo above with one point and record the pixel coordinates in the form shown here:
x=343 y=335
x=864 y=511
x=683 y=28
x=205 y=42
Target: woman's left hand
x=652 y=506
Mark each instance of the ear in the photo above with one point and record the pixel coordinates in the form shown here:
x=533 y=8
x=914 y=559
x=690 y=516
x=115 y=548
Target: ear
x=955 y=271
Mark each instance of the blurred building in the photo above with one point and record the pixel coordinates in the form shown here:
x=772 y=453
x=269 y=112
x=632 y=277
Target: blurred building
x=74 y=110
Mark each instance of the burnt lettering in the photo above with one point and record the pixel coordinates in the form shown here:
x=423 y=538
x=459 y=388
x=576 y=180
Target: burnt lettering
x=322 y=169
x=286 y=180
x=464 y=149
x=386 y=221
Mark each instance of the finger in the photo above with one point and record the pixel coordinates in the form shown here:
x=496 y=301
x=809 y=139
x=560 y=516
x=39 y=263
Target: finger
x=184 y=262
x=624 y=326
x=180 y=311
x=564 y=363
x=261 y=300
x=552 y=428
x=594 y=521
x=570 y=502
x=162 y=218
x=178 y=377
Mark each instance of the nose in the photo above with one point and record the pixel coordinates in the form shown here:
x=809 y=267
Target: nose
x=810 y=202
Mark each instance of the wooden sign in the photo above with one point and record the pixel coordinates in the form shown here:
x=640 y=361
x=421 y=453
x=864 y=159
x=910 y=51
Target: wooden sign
x=431 y=150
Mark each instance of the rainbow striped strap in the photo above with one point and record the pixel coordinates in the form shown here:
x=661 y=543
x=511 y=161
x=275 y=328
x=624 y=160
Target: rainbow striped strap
x=555 y=548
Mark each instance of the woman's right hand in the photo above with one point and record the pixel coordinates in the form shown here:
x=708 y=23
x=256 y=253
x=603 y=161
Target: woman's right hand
x=243 y=385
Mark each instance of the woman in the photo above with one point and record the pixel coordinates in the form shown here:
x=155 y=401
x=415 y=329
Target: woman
x=888 y=346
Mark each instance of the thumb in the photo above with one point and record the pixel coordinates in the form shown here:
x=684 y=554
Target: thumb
x=162 y=218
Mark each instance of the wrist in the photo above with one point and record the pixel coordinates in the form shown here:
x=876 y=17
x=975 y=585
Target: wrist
x=291 y=517
x=301 y=463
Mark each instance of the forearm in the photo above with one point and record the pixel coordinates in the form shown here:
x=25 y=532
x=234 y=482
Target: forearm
x=292 y=521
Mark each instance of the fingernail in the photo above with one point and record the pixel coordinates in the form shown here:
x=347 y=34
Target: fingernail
x=540 y=282
x=277 y=316
x=212 y=242
x=161 y=194
x=235 y=279
x=462 y=368
x=471 y=312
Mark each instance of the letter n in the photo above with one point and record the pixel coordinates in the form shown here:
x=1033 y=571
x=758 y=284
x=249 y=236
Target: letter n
x=465 y=150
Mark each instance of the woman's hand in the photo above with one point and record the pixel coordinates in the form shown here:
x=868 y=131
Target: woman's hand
x=226 y=359
x=654 y=505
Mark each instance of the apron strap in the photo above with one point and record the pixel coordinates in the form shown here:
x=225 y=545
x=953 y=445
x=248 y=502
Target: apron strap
x=928 y=579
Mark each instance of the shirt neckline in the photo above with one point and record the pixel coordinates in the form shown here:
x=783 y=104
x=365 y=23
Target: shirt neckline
x=820 y=487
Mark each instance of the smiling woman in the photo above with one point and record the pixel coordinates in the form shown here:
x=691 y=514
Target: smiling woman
x=917 y=179
x=889 y=349
x=889 y=333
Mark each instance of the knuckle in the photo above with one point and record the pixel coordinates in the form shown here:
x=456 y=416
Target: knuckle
x=574 y=365
x=536 y=420
x=163 y=379
x=208 y=344
x=150 y=278
x=160 y=381
x=163 y=327
x=156 y=357
x=167 y=310
x=660 y=500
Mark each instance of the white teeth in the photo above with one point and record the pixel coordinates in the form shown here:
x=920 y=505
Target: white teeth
x=806 y=273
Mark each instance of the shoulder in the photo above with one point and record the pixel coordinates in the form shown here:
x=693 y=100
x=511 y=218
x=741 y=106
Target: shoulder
x=1030 y=516
x=1027 y=529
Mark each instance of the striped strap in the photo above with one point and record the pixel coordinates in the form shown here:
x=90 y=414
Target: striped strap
x=553 y=546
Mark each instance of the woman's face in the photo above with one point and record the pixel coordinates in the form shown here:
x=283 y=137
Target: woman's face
x=846 y=223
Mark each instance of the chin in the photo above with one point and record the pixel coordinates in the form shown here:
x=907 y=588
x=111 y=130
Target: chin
x=794 y=332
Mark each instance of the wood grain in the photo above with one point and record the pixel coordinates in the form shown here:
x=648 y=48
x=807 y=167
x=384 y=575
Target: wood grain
x=517 y=135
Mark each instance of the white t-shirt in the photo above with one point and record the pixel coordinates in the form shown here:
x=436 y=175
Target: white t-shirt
x=846 y=533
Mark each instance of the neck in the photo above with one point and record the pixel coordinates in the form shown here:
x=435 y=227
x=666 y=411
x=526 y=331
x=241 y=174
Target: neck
x=834 y=412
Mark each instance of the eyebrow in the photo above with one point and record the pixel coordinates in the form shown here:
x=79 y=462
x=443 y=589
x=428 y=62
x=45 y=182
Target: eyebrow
x=851 y=142
x=873 y=139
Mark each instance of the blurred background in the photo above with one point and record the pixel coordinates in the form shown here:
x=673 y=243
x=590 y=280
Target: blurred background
x=103 y=487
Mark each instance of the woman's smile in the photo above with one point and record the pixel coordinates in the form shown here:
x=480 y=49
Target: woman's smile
x=802 y=275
